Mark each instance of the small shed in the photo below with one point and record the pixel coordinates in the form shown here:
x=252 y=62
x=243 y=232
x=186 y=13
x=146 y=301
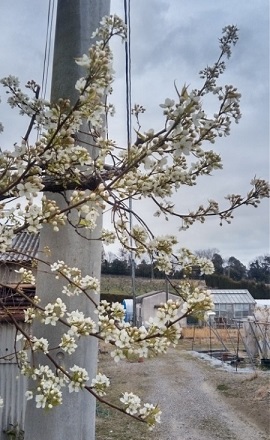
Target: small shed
x=148 y=303
x=232 y=305
x=263 y=303
x=12 y=384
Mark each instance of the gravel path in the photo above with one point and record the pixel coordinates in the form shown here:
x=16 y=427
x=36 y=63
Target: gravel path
x=192 y=408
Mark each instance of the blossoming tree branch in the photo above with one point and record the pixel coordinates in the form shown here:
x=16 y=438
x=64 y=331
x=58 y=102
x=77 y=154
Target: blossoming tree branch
x=159 y=163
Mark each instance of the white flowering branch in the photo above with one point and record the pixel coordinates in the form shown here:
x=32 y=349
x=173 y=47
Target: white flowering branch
x=159 y=163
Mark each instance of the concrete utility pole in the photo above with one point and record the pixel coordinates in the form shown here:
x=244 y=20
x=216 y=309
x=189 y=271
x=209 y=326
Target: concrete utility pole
x=75 y=418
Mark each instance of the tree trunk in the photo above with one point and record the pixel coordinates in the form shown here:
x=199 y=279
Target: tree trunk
x=75 y=418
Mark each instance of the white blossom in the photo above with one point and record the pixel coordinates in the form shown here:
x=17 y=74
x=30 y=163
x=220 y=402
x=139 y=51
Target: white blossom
x=78 y=379
x=53 y=312
x=79 y=325
x=132 y=402
x=27 y=275
x=100 y=384
x=40 y=344
x=68 y=343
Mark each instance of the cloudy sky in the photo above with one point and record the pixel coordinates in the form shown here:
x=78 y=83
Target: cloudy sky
x=171 y=40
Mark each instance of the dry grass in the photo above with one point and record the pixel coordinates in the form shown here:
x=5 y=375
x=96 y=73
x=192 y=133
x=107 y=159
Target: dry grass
x=111 y=424
x=202 y=338
x=204 y=333
x=250 y=378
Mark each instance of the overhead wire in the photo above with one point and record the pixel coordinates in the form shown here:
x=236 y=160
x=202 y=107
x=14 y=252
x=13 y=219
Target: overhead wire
x=47 y=50
x=47 y=54
x=128 y=71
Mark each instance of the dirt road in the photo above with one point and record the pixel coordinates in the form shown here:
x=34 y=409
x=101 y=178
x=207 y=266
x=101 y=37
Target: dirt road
x=198 y=401
x=193 y=408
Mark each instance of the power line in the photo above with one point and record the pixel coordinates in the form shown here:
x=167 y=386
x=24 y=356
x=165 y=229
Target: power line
x=47 y=54
x=128 y=71
x=47 y=50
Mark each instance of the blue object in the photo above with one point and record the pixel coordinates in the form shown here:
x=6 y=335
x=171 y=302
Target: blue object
x=128 y=306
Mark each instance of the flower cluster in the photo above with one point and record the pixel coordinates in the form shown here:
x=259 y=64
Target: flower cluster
x=168 y=312
x=26 y=275
x=52 y=214
x=78 y=378
x=131 y=402
x=147 y=412
x=162 y=331
x=197 y=299
x=100 y=384
x=79 y=325
x=187 y=261
x=29 y=314
x=48 y=392
x=68 y=343
x=108 y=237
x=53 y=312
x=77 y=283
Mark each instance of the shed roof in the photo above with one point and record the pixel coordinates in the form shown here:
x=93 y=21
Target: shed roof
x=153 y=292
x=220 y=296
x=24 y=249
x=263 y=302
x=141 y=297
x=230 y=296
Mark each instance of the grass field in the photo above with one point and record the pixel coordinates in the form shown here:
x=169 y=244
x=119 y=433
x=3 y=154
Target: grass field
x=121 y=285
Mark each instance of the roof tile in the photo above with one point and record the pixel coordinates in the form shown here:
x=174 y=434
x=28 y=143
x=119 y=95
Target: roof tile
x=24 y=249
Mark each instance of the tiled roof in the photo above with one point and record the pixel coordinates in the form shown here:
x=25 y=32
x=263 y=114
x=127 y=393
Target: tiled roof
x=25 y=247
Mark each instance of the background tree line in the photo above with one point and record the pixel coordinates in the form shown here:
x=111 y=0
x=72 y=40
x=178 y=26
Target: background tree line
x=229 y=273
